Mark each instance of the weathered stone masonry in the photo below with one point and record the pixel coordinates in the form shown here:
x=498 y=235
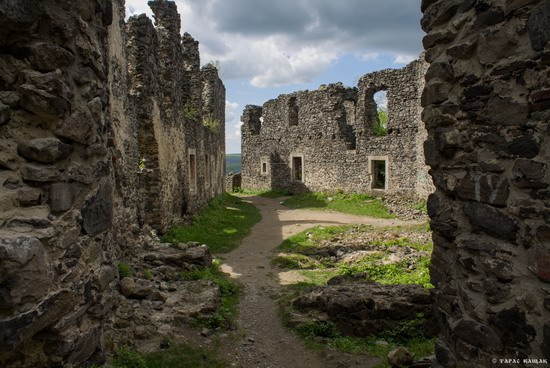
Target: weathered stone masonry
x=79 y=111
x=487 y=112
x=329 y=132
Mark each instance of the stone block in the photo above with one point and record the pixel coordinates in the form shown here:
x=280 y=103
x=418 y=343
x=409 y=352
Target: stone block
x=539 y=26
x=400 y=357
x=539 y=262
x=529 y=174
x=79 y=127
x=39 y=173
x=61 y=196
x=512 y=327
x=45 y=150
x=15 y=330
x=545 y=347
x=438 y=13
x=4 y=114
x=106 y=275
x=25 y=274
x=41 y=103
x=504 y=111
x=491 y=189
x=16 y=14
x=45 y=56
x=86 y=345
x=477 y=334
x=492 y=221
x=9 y=98
x=29 y=197
x=97 y=212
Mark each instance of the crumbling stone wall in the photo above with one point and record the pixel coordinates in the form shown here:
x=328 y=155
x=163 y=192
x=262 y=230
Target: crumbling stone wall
x=78 y=111
x=486 y=109
x=332 y=130
x=57 y=254
x=174 y=99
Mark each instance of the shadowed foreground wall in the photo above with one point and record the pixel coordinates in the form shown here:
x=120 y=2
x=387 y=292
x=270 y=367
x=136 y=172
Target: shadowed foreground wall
x=487 y=111
x=94 y=150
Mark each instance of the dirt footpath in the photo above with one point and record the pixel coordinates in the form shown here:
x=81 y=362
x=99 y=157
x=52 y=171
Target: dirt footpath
x=263 y=341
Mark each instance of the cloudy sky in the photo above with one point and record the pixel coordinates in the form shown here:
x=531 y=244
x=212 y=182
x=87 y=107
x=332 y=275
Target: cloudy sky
x=269 y=47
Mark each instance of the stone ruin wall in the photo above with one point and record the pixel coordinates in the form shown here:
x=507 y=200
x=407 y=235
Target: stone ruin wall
x=78 y=110
x=487 y=112
x=332 y=129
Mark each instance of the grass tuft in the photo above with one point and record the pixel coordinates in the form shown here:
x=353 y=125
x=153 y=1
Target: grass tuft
x=352 y=203
x=267 y=193
x=124 y=270
x=180 y=356
x=222 y=225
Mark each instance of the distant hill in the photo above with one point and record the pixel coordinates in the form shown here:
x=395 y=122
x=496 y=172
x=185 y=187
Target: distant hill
x=232 y=162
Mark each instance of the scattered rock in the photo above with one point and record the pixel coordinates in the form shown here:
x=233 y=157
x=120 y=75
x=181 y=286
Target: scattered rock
x=400 y=357
x=368 y=308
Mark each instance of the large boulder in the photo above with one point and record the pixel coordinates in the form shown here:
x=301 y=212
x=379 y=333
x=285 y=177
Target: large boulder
x=368 y=308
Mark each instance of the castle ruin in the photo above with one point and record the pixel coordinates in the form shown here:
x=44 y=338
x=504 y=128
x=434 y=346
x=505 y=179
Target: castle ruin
x=107 y=129
x=325 y=139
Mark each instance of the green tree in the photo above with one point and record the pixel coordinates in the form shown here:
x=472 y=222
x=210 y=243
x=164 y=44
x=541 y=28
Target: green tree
x=381 y=126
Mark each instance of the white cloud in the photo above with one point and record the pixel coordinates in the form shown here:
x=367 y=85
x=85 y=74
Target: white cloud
x=232 y=125
x=231 y=105
x=403 y=59
x=369 y=56
x=276 y=43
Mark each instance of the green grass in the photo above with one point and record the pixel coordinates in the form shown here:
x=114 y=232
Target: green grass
x=222 y=225
x=394 y=273
x=406 y=334
x=422 y=206
x=124 y=270
x=351 y=203
x=180 y=356
x=230 y=290
x=295 y=261
x=267 y=193
x=299 y=250
x=306 y=241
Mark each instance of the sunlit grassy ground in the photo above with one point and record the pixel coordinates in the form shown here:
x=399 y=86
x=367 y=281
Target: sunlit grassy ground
x=263 y=193
x=221 y=226
x=352 y=203
x=300 y=253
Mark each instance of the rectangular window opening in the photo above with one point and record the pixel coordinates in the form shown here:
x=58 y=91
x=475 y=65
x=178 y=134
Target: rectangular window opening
x=292 y=112
x=192 y=172
x=378 y=170
x=206 y=171
x=297 y=168
x=264 y=167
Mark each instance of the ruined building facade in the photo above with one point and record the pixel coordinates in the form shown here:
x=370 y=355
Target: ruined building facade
x=106 y=128
x=325 y=139
x=487 y=112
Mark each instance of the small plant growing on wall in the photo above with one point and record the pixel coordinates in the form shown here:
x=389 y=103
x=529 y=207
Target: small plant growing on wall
x=190 y=111
x=124 y=270
x=141 y=165
x=213 y=124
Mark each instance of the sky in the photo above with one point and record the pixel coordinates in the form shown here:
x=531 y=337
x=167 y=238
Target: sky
x=270 y=47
